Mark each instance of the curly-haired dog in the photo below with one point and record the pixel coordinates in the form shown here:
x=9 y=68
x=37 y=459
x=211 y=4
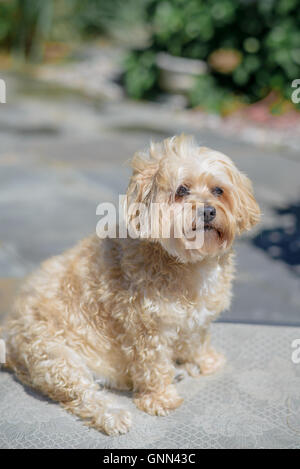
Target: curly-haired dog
x=125 y=311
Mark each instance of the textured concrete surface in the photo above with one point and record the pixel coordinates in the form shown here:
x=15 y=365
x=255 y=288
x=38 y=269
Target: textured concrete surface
x=61 y=155
x=253 y=402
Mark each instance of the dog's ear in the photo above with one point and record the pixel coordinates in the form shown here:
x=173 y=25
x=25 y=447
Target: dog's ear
x=248 y=211
x=140 y=193
x=142 y=181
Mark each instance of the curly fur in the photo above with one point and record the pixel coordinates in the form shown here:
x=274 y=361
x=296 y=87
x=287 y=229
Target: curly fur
x=121 y=313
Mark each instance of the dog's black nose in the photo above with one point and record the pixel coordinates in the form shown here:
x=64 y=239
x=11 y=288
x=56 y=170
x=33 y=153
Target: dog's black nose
x=209 y=213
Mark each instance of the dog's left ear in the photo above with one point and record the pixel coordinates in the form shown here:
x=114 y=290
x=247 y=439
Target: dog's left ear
x=248 y=211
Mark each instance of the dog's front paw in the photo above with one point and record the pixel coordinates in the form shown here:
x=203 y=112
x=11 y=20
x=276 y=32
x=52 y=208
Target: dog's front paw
x=210 y=362
x=192 y=369
x=159 y=403
x=114 y=422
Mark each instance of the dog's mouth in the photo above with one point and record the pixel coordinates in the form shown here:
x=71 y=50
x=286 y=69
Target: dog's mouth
x=208 y=228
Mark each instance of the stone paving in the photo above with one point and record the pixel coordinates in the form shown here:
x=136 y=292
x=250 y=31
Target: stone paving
x=61 y=154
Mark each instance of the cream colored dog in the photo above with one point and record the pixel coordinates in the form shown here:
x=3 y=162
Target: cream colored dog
x=122 y=312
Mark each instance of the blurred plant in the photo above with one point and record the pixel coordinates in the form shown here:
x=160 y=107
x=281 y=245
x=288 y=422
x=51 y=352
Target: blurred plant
x=141 y=74
x=25 y=25
x=123 y=21
x=6 y=14
x=252 y=47
x=212 y=97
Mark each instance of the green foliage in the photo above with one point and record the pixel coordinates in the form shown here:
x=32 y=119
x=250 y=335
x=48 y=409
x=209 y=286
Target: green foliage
x=25 y=25
x=141 y=74
x=266 y=34
x=212 y=97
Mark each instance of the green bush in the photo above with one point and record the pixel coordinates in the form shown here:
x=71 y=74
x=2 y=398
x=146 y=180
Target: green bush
x=24 y=24
x=266 y=34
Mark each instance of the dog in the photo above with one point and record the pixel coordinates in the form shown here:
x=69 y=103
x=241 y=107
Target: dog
x=123 y=313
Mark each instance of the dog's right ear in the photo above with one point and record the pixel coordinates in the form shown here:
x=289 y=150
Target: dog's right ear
x=140 y=193
x=142 y=183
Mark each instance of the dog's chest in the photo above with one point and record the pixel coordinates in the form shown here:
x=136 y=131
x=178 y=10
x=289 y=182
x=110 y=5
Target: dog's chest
x=189 y=311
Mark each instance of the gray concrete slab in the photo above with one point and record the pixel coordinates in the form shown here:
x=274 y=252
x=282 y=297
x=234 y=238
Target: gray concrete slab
x=253 y=402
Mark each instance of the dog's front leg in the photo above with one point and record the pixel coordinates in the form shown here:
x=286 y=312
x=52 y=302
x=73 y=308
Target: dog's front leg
x=152 y=374
x=197 y=355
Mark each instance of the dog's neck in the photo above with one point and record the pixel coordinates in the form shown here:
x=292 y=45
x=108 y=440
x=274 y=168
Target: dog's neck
x=154 y=253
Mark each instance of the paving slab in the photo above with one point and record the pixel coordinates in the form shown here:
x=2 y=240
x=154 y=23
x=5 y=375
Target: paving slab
x=253 y=402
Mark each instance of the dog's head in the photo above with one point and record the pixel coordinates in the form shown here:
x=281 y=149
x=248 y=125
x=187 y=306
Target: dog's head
x=175 y=181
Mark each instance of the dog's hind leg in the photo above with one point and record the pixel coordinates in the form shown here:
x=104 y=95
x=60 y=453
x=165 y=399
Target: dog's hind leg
x=60 y=373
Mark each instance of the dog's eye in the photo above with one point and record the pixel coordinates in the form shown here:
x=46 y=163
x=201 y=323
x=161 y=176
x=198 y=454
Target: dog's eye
x=182 y=190
x=217 y=191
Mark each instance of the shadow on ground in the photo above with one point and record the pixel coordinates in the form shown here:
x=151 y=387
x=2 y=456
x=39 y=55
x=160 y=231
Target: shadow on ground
x=283 y=242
